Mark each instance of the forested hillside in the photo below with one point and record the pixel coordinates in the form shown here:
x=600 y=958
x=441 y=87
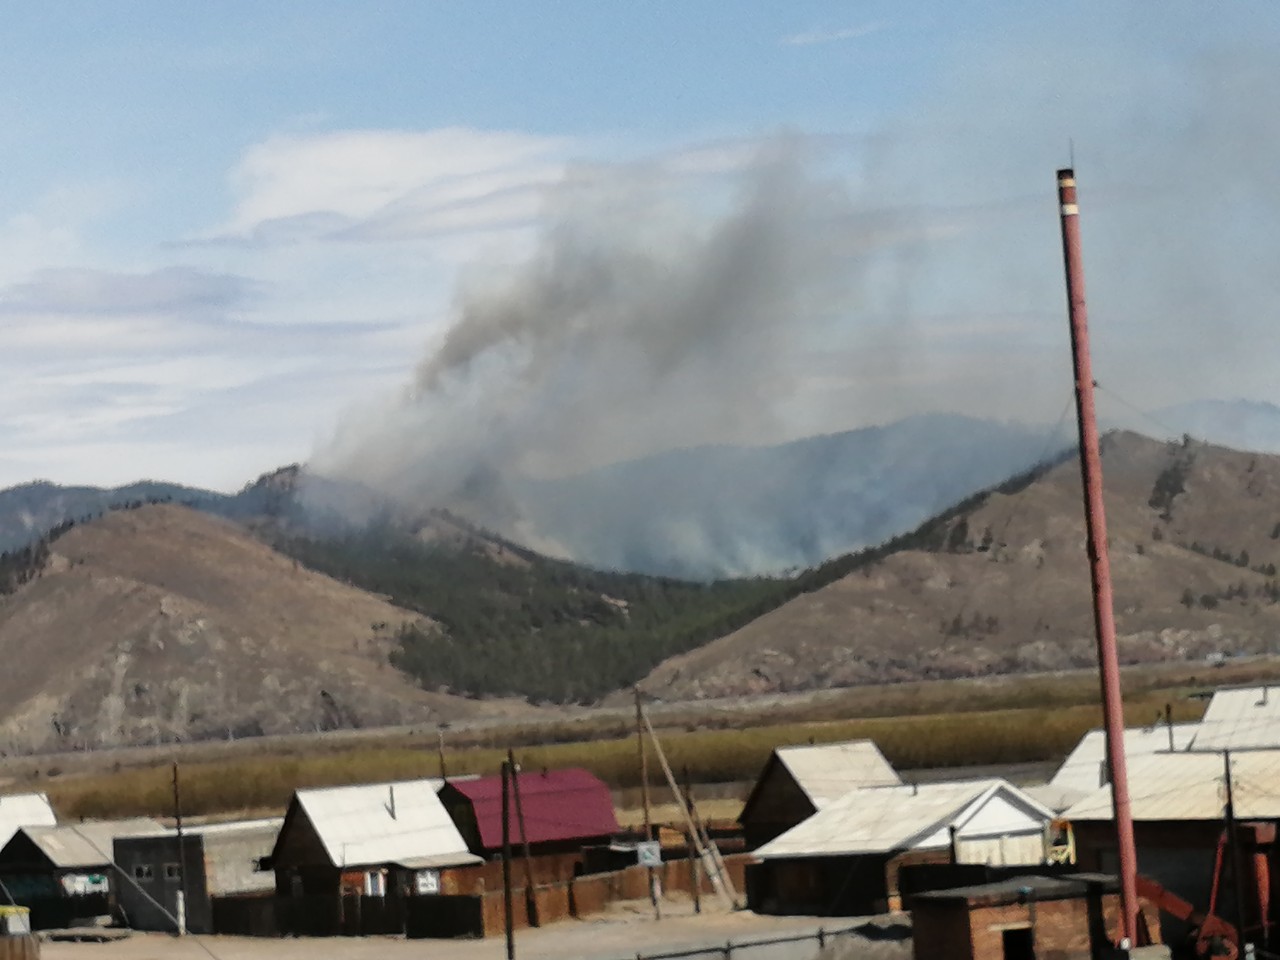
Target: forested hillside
x=512 y=621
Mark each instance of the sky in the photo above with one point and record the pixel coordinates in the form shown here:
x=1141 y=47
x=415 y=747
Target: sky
x=231 y=234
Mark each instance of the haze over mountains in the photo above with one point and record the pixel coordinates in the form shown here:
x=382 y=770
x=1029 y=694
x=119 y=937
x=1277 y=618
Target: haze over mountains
x=1002 y=585
x=702 y=512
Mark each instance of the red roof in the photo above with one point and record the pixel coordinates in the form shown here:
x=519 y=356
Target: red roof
x=571 y=804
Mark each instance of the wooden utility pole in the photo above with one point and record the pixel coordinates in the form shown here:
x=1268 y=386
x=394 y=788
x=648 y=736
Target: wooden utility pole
x=506 y=859
x=644 y=798
x=181 y=911
x=530 y=897
x=695 y=879
x=1168 y=722
x=708 y=852
x=444 y=772
x=1233 y=840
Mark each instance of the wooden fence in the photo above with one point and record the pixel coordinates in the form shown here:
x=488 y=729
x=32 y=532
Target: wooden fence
x=478 y=914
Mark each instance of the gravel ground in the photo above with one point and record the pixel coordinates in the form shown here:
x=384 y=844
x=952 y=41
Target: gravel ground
x=625 y=931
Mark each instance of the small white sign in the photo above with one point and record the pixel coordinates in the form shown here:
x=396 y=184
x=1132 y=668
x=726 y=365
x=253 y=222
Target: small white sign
x=649 y=853
x=428 y=882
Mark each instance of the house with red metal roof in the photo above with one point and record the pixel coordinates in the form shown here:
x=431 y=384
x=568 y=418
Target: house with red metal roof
x=562 y=812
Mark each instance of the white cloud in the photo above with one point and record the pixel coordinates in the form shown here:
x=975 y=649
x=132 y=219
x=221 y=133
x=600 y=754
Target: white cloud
x=324 y=183
x=812 y=37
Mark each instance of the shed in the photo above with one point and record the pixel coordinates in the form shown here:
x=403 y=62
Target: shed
x=563 y=811
x=1070 y=918
x=378 y=840
x=844 y=860
x=64 y=873
x=1178 y=804
x=24 y=810
x=1085 y=768
x=1240 y=718
x=797 y=782
x=215 y=860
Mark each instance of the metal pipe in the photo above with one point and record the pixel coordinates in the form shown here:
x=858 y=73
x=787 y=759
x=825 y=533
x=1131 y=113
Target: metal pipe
x=1099 y=563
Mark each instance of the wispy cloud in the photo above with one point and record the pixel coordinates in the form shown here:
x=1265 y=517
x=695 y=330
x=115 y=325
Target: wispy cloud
x=811 y=37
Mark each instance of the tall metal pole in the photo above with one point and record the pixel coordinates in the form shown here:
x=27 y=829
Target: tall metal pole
x=506 y=860
x=1099 y=562
x=530 y=894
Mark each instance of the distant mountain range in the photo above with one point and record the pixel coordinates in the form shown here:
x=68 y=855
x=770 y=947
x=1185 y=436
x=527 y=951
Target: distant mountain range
x=705 y=512
x=1000 y=584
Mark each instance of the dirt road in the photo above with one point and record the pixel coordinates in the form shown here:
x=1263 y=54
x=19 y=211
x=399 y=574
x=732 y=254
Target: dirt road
x=627 y=930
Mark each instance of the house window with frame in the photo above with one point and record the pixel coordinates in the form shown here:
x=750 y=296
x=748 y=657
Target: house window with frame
x=172 y=872
x=143 y=872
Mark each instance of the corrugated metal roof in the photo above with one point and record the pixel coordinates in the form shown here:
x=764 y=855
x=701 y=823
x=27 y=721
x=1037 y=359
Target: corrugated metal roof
x=1192 y=786
x=1083 y=770
x=384 y=823
x=827 y=771
x=882 y=819
x=24 y=810
x=84 y=845
x=1240 y=718
x=569 y=804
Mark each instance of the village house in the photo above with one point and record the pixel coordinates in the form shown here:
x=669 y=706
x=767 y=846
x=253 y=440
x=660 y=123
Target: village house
x=24 y=810
x=215 y=860
x=1239 y=718
x=1178 y=805
x=1085 y=768
x=797 y=782
x=376 y=840
x=845 y=859
x=65 y=873
x=557 y=814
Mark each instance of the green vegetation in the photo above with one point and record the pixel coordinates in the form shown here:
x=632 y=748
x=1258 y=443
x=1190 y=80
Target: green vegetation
x=514 y=622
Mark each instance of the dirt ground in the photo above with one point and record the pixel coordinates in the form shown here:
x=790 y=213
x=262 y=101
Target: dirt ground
x=624 y=931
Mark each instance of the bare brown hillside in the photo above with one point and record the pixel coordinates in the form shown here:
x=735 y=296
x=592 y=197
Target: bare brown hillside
x=162 y=623
x=1005 y=586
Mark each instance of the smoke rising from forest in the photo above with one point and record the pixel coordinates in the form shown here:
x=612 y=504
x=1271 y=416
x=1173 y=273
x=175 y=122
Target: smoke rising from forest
x=659 y=310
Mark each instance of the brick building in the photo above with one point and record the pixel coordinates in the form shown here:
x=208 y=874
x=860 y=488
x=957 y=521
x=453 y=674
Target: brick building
x=1069 y=918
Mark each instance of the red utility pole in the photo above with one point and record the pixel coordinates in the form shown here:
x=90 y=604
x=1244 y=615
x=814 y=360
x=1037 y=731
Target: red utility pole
x=1099 y=563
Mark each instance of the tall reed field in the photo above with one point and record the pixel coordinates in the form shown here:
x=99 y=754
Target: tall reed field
x=264 y=782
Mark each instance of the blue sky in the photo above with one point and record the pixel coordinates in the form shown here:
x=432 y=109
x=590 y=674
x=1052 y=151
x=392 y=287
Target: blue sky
x=223 y=227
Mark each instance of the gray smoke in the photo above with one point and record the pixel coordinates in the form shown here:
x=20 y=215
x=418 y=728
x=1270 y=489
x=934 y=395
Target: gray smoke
x=913 y=272
x=654 y=312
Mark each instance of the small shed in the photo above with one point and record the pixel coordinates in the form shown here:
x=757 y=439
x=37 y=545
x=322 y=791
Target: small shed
x=797 y=782
x=844 y=860
x=215 y=860
x=375 y=840
x=1085 y=768
x=65 y=873
x=1021 y=918
x=563 y=812
x=24 y=810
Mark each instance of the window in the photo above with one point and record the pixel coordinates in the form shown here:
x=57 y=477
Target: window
x=142 y=871
x=172 y=872
x=262 y=864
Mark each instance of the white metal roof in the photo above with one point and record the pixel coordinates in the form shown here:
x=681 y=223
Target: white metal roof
x=222 y=828
x=401 y=822
x=827 y=771
x=1240 y=718
x=1084 y=770
x=1192 y=786
x=24 y=810
x=882 y=819
x=87 y=844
